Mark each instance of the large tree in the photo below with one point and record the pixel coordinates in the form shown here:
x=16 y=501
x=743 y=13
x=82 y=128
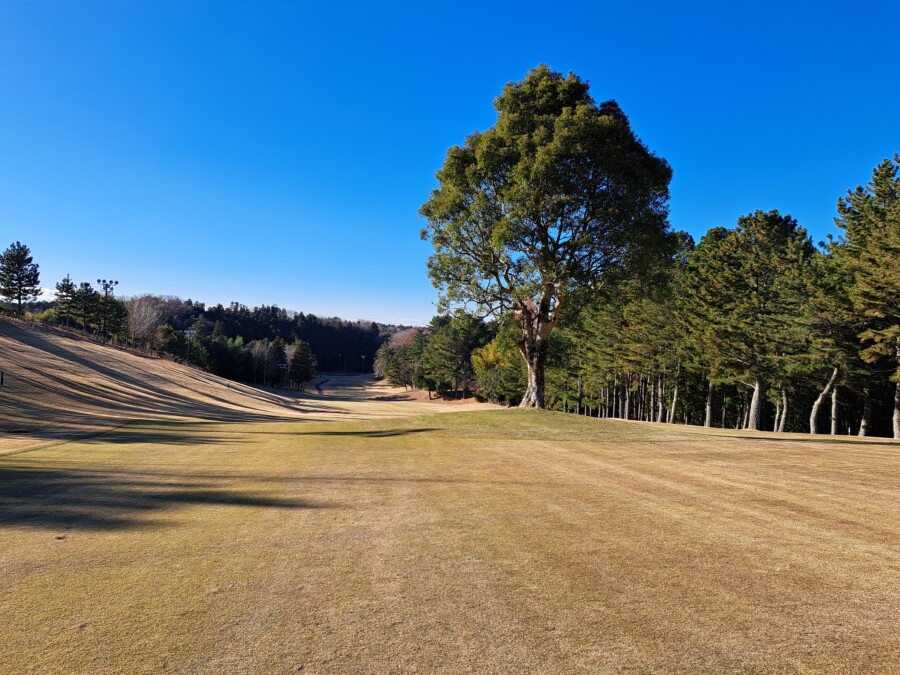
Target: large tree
x=19 y=275
x=554 y=199
x=870 y=254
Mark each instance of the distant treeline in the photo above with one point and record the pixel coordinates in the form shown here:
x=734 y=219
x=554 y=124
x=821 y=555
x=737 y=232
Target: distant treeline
x=265 y=345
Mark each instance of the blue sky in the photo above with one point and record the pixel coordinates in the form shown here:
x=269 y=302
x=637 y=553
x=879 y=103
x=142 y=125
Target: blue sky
x=278 y=152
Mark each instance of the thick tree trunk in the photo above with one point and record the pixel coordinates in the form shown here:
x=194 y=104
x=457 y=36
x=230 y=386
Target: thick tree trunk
x=814 y=415
x=784 y=410
x=534 y=392
x=866 y=414
x=755 y=418
x=707 y=420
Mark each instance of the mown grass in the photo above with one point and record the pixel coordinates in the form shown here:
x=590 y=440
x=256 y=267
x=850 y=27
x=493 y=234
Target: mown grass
x=488 y=541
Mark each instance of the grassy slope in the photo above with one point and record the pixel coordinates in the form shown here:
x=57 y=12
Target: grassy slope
x=490 y=541
x=60 y=387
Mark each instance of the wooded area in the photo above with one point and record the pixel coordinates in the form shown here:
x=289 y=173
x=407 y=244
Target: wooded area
x=753 y=327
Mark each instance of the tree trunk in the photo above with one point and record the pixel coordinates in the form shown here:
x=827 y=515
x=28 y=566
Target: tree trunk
x=578 y=402
x=671 y=419
x=784 y=410
x=755 y=418
x=814 y=415
x=777 y=415
x=661 y=401
x=866 y=414
x=627 y=414
x=642 y=392
x=897 y=395
x=834 y=410
x=535 y=359
x=707 y=420
x=897 y=411
x=724 y=409
x=744 y=420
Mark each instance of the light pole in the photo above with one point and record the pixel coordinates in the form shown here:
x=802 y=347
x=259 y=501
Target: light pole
x=107 y=287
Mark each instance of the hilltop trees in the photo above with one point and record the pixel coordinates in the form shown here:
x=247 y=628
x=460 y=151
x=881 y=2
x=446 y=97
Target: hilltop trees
x=555 y=198
x=19 y=275
x=145 y=316
x=65 y=296
x=86 y=305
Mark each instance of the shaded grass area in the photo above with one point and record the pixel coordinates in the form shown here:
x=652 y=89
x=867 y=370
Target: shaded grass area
x=46 y=496
x=490 y=541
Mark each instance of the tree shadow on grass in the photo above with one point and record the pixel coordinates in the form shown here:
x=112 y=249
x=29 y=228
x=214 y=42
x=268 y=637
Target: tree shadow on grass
x=379 y=433
x=34 y=496
x=140 y=393
x=818 y=439
x=165 y=432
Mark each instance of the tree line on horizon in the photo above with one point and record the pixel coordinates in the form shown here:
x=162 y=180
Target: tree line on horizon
x=265 y=345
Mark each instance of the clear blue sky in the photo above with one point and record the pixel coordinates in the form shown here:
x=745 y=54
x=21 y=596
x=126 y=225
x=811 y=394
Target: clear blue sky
x=279 y=152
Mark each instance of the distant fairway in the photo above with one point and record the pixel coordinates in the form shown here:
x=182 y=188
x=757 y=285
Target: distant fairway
x=483 y=541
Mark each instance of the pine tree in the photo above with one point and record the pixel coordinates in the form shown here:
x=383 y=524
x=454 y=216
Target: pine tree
x=65 y=296
x=870 y=254
x=744 y=294
x=303 y=363
x=86 y=304
x=19 y=276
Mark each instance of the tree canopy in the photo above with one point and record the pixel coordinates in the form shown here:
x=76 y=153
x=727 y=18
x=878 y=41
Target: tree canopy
x=19 y=275
x=557 y=197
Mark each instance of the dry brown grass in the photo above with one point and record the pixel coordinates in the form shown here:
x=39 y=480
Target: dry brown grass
x=61 y=387
x=483 y=541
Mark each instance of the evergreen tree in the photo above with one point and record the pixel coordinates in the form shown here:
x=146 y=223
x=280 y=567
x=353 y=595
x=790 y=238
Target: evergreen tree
x=745 y=290
x=65 y=296
x=303 y=363
x=499 y=368
x=447 y=360
x=278 y=362
x=19 y=275
x=870 y=254
x=86 y=305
